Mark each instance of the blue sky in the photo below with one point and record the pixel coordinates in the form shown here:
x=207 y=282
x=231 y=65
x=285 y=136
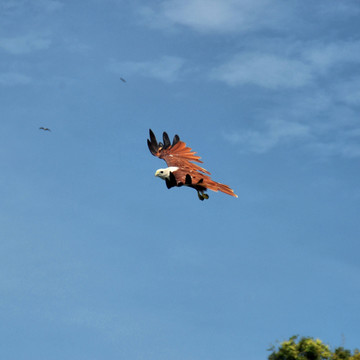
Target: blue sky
x=98 y=259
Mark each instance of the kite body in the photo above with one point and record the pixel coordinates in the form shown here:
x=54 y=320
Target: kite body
x=181 y=170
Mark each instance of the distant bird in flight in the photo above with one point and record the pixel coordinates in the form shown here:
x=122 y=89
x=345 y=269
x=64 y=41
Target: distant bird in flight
x=123 y=80
x=181 y=170
x=44 y=128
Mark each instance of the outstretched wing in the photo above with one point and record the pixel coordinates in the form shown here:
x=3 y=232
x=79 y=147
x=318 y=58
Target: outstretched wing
x=200 y=181
x=175 y=153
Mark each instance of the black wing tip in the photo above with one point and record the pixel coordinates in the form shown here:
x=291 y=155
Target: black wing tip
x=175 y=140
x=152 y=136
x=154 y=145
x=166 y=140
x=150 y=147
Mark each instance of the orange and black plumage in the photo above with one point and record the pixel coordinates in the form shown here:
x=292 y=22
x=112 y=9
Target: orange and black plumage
x=181 y=170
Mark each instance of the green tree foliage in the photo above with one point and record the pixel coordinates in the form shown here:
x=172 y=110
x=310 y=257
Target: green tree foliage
x=307 y=348
x=356 y=355
x=341 y=354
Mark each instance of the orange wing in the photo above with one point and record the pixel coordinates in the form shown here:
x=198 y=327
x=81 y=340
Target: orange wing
x=175 y=154
x=202 y=180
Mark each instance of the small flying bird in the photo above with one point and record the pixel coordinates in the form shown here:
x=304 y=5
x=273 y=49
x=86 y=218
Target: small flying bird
x=181 y=170
x=123 y=80
x=44 y=128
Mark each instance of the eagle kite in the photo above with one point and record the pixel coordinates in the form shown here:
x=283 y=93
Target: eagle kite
x=44 y=128
x=181 y=169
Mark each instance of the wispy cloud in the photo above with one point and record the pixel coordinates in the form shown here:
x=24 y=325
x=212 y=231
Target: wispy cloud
x=338 y=8
x=322 y=83
x=323 y=127
x=216 y=15
x=24 y=44
x=166 y=69
x=275 y=132
x=323 y=55
x=348 y=91
x=50 y=5
x=13 y=79
x=289 y=67
x=16 y=6
x=340 y=147
x=266 y=70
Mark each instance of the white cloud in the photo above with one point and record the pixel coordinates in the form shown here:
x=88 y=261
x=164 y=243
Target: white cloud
x=266 y=70
x=12 y=79
x=337 y=148
x=7 y=5
x=216 y=15
x=291 y=66
x=324 y=56
x=348 y=91
x=50 y=5
x=23 y=6
x=276 y=132
x=338 y=9
x=166 y=69
x=333 y=130
x=75 y=45
x=24 y=44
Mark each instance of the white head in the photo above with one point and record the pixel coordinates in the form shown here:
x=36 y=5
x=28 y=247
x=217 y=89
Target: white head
x=165 y=173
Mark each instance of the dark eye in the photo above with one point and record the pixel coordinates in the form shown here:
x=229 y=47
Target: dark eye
x=161 y=172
